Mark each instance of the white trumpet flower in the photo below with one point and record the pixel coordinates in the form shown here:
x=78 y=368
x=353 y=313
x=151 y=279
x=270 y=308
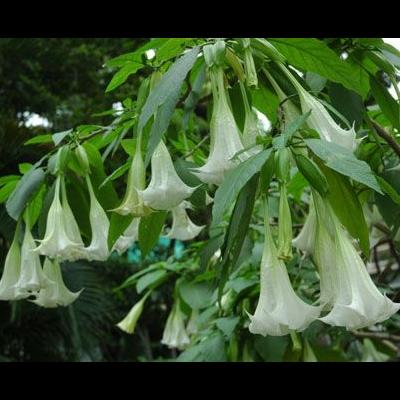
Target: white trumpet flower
x=128 y=324
x=133 y=201
x=128 y=238
x=12 y=268
x=62 y=239
x=345 y=283
x=99 y=223
x=279 y=309
x=32 y=278
x=320 y=120
x=175 y=335
x=56 y=293
x=166 y=189
x=225 y=140
x=305 y=240
x=182 y=226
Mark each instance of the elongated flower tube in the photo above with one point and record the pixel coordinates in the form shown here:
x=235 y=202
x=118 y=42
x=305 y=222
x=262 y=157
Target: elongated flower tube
x=166 y=190
x=12 y=268
x=128 y=238
x=251 y=125
x=62 y=239
x=225 y=139
x=175 y=335
x=191 y=327
x=56 y=293
x=128 y=324
x=285 y=226
x=99 y=224
x=305 y=240
x=279 y=309
x=32 y=278
x=345 y=283
x=320 y=120
x=290 y=111
x=182 y=226
x=133 y=201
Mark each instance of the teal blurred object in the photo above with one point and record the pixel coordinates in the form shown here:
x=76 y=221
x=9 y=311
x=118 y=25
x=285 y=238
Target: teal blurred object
x=160 y=251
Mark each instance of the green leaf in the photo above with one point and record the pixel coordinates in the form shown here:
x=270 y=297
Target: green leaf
x=387 y=206
x=343 y=161
x=312 y=55
x=196 y=295
x=234 y=181
x=237 y=230
x=386 y=102
x=227 y=325
x=389 y=190
x=168 y=86
x=6 y=190
x=347 y=207
x=265 y=101
x=8 y=178
x=172 y=47
x=24 y=191
x=123 y=74
x=59 y=136
x=39 y=139
x=282 y=140
x=118 y=225
x=271 y=348
x=34 y=207
x=212 y=348
x=129 y=145
x=149 y=230
x=151 y=279
x=133 y=278
x=116 y=174
x=24 y=168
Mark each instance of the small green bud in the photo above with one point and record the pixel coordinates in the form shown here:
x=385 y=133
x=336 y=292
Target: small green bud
x=82 y=158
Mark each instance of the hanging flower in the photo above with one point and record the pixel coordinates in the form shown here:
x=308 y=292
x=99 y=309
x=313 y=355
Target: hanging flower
x=133 y=201
x=56 y=293
x=166 y=190
x=346 y=285
x=279 y=309
x=62 y=239
x=175 y=335
x=305 y=240
x=128 y=238
x=99 y=223
x=12 y=268
x=191 y=327
x=320 y=120
x=128 y=324
x=182 y=226
x=285 y=226
x=224 y=133
x=32 y=278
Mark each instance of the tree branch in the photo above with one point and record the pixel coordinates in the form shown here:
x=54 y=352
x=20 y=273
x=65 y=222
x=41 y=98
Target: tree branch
x=387 y=137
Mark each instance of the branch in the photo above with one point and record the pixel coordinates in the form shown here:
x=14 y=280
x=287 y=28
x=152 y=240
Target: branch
x=387 y=137
x=377 y=335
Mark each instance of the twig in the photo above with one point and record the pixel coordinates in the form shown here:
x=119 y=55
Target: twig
x=389 y=139
x=196 y=147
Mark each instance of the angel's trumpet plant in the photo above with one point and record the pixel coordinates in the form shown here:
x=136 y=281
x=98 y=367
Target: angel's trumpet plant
x=133 y=201
x=346 y=286
x=320 y=120
x=289 y=111
x=166 y=189
x=128 y=238
x=279 y=309
x=128 y=324
x=305 y=240
x=56 y=293
x=99 y=223
x=182 y=226
x=12 y=269
x=62 y=239
x=225 y=140
x=175 y=335
x=31 y=278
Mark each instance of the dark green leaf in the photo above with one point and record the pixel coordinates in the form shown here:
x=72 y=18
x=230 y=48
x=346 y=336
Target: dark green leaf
x=6 y=190
x=40 y=139
x=123 y=74
x=196 y=295
x=271 y=348
x=281 y=141
x=234 y=181
x=150 y=280
x=227 y=325
x=149 y=230
x=24 y=191
x=343 y=161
